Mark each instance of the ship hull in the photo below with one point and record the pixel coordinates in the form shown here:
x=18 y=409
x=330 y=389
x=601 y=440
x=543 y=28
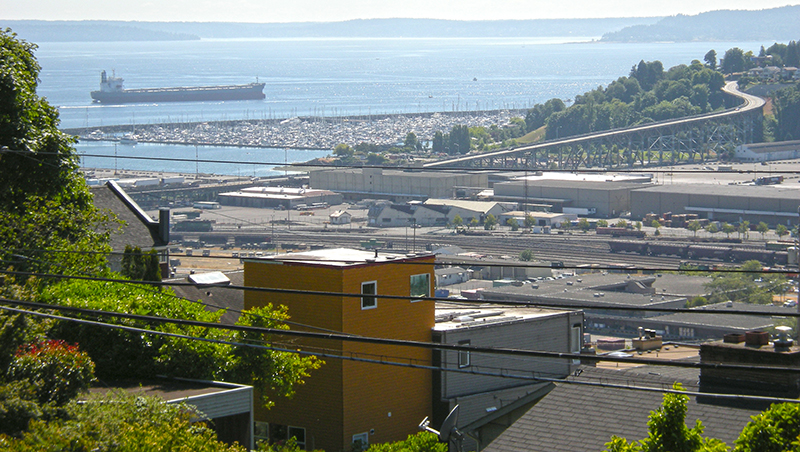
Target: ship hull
x=197 y=94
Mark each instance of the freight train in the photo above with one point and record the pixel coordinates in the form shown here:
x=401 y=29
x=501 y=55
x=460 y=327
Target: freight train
x=694 y=251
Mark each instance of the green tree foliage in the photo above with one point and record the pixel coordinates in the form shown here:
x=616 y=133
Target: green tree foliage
x=602 y=223
x=728 y=229
x=513 y=224
x=119 y=354
x=44 y=202
x=694 y=226
x=667 y=431
x=58 y=371
x=786 y=104
x=420 y=442
x=490 y=222
x=537 y=116
x=120 y=422
x=140 y=266
x=647 y=73
x=733 y=61
x=526 y=255
x=459 y=140
x=781 y=230
x=775 y=430
x=762 y=228
x=457 y=221
x=744 y=287
x=711 y=59
x=583 y=225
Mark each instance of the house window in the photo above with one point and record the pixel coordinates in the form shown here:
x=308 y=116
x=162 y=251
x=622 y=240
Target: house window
x=260 y=431
x=463 y=356
x=368 y=292
x=299 y=435
x=420 y=286
x=575 y=339
x=361 y=441
x=277 y=433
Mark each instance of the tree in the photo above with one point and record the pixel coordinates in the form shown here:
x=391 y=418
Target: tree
x=411 y=142
x=45 y=203
x=762 y=228
x=529 y=221
x=621 y=224
x=694 y=226
x=781 y=230
x=421 y=442
x=457 y=221
x=490 y=222
x=711 y=59
x=638 y=225
x=733 y=61
x=459 y=140
x=712 y=229
x=526 y=255
x=473 y=222
x=743 y=229
x=343 y=150
x=123 y=422
x=728 y=229
x=776 y=429
x=513 y=224
x=667 y=431
x=602 y=223
x=140 y=266
x=583 y=224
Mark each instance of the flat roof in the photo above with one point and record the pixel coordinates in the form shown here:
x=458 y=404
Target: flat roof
x=780 y=191
x=167 y=389
x=339 y=257
x=580 y=184
x=779 y=146
x=450 y=317
x=589 y=177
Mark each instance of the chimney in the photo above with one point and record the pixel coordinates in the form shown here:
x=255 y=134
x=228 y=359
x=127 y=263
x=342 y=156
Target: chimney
x=163 y=224
x=757 y=354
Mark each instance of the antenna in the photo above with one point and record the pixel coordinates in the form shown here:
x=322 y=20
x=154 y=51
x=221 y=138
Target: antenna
x=448 y=431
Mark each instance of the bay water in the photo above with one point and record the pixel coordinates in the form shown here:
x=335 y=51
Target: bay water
x=334 y=77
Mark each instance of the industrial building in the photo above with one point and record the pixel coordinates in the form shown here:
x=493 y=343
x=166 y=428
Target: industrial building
x=772 y=204
x=286 y=197
x=395 y=185
x=767 y=152
x=609 y=199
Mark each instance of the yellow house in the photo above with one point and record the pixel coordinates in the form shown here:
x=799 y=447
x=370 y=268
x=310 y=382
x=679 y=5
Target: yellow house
x=350 y=400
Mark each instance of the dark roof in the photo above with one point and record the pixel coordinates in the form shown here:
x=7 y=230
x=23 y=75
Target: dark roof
x=583 y=418
x=138 y=229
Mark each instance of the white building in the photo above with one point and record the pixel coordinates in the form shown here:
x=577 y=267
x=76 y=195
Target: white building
x=766 y=152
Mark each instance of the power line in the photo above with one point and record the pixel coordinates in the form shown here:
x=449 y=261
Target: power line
x=431 y=368
x=536 y=304
x=650 y=170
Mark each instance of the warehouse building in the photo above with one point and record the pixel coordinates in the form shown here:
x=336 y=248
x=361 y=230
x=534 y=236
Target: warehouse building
x=286 y=197
x=395 y=185
x=772 y=204
x=608 y=198
x=768 y=152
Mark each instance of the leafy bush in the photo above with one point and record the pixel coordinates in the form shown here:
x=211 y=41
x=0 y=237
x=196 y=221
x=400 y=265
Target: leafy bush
x=58 y=371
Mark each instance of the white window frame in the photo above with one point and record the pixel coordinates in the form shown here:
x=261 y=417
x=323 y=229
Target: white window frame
x=370 y=296
x=260 y=427
x=464 y=358
x=411 y=286
x=363 y=438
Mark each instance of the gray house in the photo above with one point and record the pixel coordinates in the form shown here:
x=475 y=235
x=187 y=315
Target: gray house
x=138 y=229
x=489 y=403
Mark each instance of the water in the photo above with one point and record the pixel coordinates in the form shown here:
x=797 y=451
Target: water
x=249 y=162
x=335 y=77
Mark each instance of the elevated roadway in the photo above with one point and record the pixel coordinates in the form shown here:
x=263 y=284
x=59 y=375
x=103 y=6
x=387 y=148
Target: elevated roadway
x=692 y=136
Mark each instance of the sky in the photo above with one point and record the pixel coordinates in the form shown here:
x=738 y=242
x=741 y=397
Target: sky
x=265 y=11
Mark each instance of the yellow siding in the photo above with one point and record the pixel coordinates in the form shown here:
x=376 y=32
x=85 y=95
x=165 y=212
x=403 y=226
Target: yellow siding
x=345 y=398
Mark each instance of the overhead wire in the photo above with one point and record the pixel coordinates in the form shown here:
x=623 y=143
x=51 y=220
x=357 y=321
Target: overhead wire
x=527 y=304
x=737 y=397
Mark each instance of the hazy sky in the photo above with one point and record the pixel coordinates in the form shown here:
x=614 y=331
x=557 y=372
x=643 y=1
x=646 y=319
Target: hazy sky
x=336 y=10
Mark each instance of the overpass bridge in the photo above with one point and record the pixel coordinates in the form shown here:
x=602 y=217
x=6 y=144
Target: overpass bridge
x=688 y=139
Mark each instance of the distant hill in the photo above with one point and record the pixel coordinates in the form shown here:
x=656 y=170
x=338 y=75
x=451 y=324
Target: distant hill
x=46 y=31
x=768 y=25
x=90 y=30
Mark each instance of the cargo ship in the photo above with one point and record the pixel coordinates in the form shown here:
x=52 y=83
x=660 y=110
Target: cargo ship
x=112 y=91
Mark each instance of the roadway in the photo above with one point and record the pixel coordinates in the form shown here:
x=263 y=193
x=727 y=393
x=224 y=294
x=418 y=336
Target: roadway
x=750 y=104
